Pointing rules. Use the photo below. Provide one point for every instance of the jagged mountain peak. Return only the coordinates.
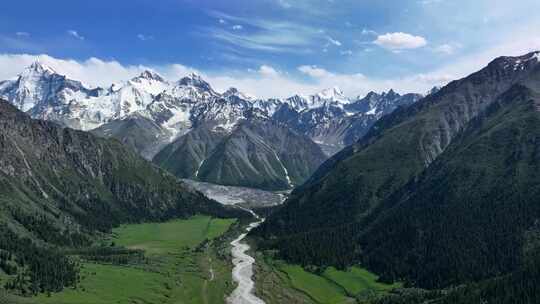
(37, 67)
(433, 90)
(232, 91)
(195, 80)
(331, 93)
(372, 95)
(517, 62)
(149, 75)
(390, 94)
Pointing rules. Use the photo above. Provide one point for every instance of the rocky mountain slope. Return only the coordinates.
(337, 122)
(257, 152)
(62, 188)
(147, 113)
(80, 182)
(438, 194)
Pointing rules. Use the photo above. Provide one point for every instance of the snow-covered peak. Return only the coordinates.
(235, 92)
(231, 91)
(148, 82)
(390, 94)
(332, 96)
(531, 56)
(334, 93)
(149, 75)
(195, 80)
(518, 63)
(38, 68)
(433, 90)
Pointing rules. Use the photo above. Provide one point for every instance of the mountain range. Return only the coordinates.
(153, 115)
(438, 192)
(62, 188)
(437, 195)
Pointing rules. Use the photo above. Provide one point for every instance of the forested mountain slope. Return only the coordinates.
(437, 194)
(59, 187)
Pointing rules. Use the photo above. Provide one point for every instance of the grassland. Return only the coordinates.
(178, 269)
(279, 282)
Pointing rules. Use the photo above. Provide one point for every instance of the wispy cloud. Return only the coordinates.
(20, 43)
(333, 41)
(447, 48)
(366, 31)
(429, 2)
(144, 37)
(75, 34)
(266, 35)
(22, 34)
(284, 3)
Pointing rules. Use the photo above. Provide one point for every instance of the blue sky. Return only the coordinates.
(269, 47)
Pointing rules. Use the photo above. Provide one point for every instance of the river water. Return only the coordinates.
(242, 272)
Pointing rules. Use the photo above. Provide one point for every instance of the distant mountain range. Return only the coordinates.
(442, 194)
(151, 114)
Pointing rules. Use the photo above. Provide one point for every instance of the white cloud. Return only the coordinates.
(369, 32)
(313, 71)
(400, 41)
(446, 49)
(266, 81)
(75, 34)
(429, 2)
(143, 37)
(346, 53)
(93, 71)
(333, 41)
(22, 34)
(237, 27)
(222, 21)
(284, 4)
(268, 71)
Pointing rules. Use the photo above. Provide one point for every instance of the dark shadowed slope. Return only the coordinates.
(438, 193)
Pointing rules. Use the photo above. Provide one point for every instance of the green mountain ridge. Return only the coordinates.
(437, 194)
(62, 187)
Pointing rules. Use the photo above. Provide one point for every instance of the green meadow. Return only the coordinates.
(279, 282)
(177, 269)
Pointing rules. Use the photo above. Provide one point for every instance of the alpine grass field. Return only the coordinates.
(177, 267)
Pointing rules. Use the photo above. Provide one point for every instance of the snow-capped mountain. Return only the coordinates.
(332, 96)
(151, 114)
(338, 121)
(45, 94)
(381, 104)
(147, 112)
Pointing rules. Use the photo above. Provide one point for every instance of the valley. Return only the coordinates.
(202, 260)
(183, 263)
(270, 152)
